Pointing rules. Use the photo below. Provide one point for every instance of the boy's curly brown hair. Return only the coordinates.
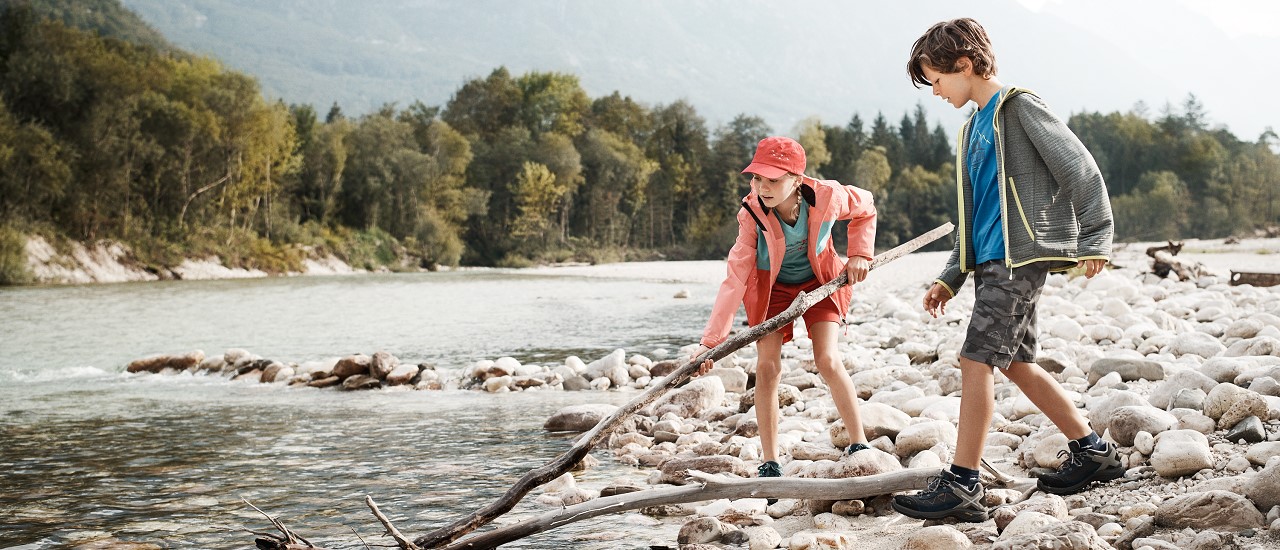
(945, 43)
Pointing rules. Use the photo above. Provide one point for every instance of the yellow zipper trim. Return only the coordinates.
(1017, 201)
(1004, 201)
(1060, 259)
(960, 152)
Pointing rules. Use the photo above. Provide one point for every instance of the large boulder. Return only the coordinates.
(1264, 489)
(1129, 368)
(925, 435)
(1181, 452)
(1100, 411)
(352, 365)
(676, 470)
(699, 395)
(1126, 422)
(382, 364)
(578, 418)
(1066, 535)
(157, 363)
(1163, 394)
(1196, 343)
(937, 537)
(1221, 510)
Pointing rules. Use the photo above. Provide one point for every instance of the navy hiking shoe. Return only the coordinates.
(944, 497)
(769, 469)
(855, 448)
(1082, 467)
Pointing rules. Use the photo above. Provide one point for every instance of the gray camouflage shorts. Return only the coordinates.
(1003, 326)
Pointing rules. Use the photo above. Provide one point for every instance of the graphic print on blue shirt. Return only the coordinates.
(795, 263)
(984, 174)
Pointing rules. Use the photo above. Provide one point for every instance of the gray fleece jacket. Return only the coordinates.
(1053, 202)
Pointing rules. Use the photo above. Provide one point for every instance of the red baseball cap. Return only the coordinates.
(776, 156)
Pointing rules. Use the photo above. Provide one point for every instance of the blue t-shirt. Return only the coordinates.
(795, 263)
(984, 173)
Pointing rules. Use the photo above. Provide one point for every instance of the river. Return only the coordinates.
(93, 457)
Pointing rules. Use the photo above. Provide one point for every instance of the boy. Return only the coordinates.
(1033, 202)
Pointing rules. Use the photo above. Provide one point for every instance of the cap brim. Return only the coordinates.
(764, 170)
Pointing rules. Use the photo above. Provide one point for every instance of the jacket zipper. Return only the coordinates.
(1004, 201)
(961, 143)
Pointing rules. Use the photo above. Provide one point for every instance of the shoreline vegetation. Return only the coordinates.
(112, 135)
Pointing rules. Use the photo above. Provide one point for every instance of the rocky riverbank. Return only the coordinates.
(1183, 375)
(112, 262)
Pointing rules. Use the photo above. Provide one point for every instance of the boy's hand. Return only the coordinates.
(1091, 267)
(935, 301)
(706, 365)
(857, 268)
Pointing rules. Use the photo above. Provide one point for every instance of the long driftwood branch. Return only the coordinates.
(1164, 259)
(563, 463)
(711, 487)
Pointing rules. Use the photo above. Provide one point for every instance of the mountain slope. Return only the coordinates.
(106, 17)
(726, 57)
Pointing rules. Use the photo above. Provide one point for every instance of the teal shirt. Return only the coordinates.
(795, 263)
(984, 173)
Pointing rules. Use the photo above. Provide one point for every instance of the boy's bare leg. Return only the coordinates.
(826, 354)
(768, 372)
(1049, 397)
(977, 405)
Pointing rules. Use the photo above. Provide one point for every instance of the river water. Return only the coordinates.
(93, 457)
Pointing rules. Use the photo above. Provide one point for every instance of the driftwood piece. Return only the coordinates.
(1164, 259)
(401, 540)
(286, 540)
(563, 463)
(1255, 279)
(712, 487)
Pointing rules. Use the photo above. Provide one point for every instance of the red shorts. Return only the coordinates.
(780, 298)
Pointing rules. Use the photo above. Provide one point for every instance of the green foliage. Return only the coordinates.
(106, 17)
(13, 257)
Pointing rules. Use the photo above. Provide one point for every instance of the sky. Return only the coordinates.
(1220, 50)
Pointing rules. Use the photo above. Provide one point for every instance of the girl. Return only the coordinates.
(783, 248)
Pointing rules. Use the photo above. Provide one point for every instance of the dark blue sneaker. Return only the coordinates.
(944, 497)
(855, 448)
(1082, 467)
(769, 469)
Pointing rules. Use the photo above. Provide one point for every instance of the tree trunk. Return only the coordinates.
(575, 454)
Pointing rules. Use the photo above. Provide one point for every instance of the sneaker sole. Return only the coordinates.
(1101, 475)
(968, 516)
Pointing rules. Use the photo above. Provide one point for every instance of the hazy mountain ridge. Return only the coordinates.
(830, 60)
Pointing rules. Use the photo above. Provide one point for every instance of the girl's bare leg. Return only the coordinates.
(768, 372)
(826, 354)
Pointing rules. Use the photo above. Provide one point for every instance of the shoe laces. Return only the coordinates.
(935, 486)
(1074, 460)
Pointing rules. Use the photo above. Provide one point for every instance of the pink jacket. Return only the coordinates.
(749, 283)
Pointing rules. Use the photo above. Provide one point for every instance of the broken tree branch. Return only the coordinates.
(287, 540)
(1164, 259)
(405, 543)
(563, 463)
(712, 487)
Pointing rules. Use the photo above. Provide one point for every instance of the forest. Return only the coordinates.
(109, 132)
